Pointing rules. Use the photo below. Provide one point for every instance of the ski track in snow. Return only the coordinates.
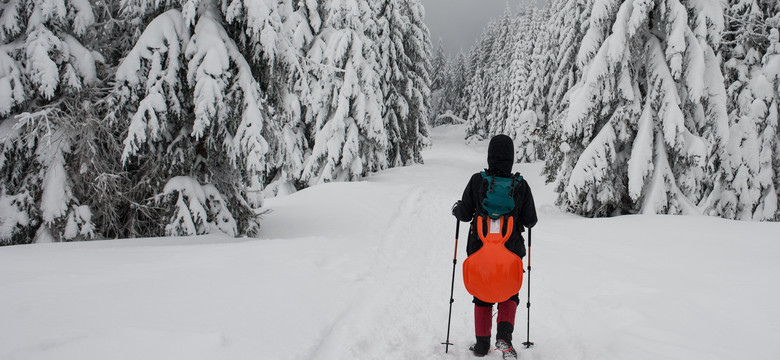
(376, 304)
(362, 271)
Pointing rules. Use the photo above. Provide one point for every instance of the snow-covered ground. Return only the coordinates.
(362, 271)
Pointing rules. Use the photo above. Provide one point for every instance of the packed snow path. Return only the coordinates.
(362, 271)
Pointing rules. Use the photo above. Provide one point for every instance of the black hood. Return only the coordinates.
(501, 155)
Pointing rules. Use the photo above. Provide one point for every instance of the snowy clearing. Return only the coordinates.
(362, 271)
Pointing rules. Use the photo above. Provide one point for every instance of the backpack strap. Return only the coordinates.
(516, 178)
(491, 179)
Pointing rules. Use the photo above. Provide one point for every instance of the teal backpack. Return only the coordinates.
(499, 199)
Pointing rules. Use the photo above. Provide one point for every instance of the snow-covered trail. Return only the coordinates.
(362, 271)
(406, 241)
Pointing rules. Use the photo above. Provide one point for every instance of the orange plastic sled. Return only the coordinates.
(493, 273)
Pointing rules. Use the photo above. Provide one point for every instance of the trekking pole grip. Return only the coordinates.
(457, 232)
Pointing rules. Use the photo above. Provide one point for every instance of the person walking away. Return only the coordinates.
(500, 159)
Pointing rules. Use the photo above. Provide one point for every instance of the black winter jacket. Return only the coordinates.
(471, 206)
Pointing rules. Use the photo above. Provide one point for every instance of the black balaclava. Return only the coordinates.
(501, 155)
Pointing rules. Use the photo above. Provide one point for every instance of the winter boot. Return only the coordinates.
(482, 346)
(507, 350)
(504, 332)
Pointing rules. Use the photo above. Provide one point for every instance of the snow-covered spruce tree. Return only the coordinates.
(751, 188)
(566, 27)
(456, 91)
(647, 115)
(772, 68)
(439, 82)
(539, 63)
(197, 125)
(402, 44)
(47, 69)
(536, 88)
(499, 65)
(416, 85)
(525, 88)
(450, 96)
(276, 35)
(516, 73)
(438, 67)
(349, 138)
(478, 96)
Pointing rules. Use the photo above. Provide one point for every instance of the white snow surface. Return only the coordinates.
(362, 270)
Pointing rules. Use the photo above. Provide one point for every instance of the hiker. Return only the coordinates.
(500, 159)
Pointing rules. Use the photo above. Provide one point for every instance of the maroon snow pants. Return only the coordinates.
(483, 318)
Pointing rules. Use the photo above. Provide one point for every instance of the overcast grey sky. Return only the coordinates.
(460, 22)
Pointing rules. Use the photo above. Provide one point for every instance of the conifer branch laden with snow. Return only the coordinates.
(46, 66)
(656, 163)
(225, 142)
(751, 75)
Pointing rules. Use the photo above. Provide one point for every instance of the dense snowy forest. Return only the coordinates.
(636, 106)
(178, 117)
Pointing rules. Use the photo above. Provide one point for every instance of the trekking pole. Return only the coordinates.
(528, 342)
(452, 288)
